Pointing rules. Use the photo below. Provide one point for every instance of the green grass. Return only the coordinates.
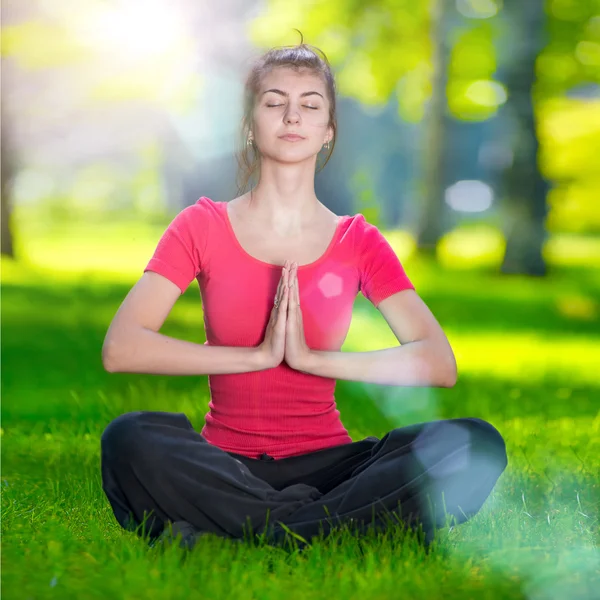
(528, 352)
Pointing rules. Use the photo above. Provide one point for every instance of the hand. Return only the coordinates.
(297, 353)
(271, 349)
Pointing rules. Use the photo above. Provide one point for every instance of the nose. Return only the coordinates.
(292, 115)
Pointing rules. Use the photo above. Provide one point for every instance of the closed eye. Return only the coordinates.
(275, 105)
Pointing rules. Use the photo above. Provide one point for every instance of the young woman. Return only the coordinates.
(278, 274)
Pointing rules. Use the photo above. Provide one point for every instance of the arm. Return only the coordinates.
(133, 344)
(147, 351)
(425, 357)
(417, 364)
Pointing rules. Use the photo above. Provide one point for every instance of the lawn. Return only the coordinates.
(528, 353)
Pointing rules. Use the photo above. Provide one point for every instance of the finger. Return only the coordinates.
(283, 300)
(294, 288)
(276, 306)
(285, 273)
(283, 307)
(291, 292)
(289, 309)
(282, 282)
(297, 288)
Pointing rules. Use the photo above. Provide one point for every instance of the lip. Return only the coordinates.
(291, 137)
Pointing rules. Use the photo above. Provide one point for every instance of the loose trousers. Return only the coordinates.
(156, 468)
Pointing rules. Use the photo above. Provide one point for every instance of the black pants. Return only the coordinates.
(156, 468)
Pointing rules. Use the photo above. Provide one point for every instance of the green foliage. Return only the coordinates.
(366, 202)
(572, 52)
(473, 95)
(364, 38)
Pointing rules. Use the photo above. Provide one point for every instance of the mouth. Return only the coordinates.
(291, 137)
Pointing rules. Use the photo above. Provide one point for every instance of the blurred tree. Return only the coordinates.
(525, 187)
(6, 175)
(568, 108)
(7, 151)
(429, 224)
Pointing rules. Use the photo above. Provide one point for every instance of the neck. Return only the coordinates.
(284, 198)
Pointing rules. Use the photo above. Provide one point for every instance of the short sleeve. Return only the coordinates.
(180, 250)
(381, 272)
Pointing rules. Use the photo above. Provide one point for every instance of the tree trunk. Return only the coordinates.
(430, 217)
(526, 189)
(6, 176)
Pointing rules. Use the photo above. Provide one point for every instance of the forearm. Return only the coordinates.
(146, 351)
(415, 364)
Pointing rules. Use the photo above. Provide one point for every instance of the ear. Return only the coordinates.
(329, 137)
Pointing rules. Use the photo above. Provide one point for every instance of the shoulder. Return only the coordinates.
(358, 226)
(197, 211)
(358, 221)
(203, 203)
(369, 241)
(193, 222)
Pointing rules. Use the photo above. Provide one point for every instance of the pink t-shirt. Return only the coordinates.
(278, 411)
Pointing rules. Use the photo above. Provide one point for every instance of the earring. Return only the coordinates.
(249, 141)
(327, 145)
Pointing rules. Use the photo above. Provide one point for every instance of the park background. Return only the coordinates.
(469, 133)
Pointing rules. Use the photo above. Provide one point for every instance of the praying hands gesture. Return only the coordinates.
(284, 338)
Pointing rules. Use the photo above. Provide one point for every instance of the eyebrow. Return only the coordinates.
(276, 91)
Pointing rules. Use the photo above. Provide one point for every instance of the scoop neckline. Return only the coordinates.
(316, 262)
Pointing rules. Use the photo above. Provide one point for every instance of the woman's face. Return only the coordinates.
(291, 102)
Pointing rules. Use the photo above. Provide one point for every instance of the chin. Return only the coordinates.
(291, 156)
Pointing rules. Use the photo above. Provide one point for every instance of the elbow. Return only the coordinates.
(451, 373)
(450, 381)
(109, 360)
(109, 367)
(119, 350)
(441, 366)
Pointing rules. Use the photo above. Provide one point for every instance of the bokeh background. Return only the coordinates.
(469, 133)
(475, 117)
